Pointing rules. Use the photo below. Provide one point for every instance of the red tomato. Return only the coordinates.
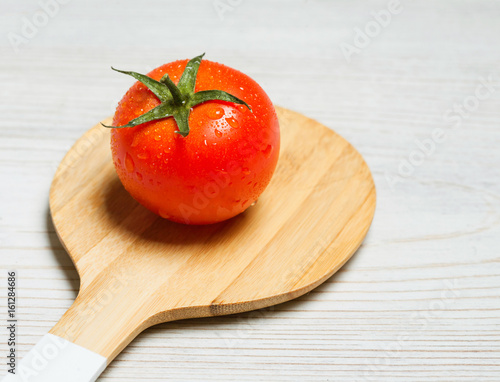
(215, 172)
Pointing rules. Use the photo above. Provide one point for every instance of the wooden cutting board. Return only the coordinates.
(138, 269)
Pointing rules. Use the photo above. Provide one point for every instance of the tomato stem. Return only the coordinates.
(174, 90)
(177, 100)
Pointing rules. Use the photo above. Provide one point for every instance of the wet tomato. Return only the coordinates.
(195, 141)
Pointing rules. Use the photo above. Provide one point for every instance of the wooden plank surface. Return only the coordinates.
(420, 299)
(149, 270)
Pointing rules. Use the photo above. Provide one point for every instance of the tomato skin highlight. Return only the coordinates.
(214, 173)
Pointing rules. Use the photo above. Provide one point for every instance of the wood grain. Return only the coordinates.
(382, 316)
(138, 269)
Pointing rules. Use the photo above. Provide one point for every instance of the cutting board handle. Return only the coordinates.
(55, 359)
(93, 331)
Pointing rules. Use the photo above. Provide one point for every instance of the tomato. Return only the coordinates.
(211, 160)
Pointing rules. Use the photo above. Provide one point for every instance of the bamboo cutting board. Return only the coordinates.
(138, 269)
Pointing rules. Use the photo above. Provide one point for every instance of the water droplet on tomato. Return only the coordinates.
(135, 141)
(232, 122)
(216, 113)
(163, 214)
(142, 156)
(246, 171)
(267, 151)
(158, 138)
(254, 203)
(218, 133)
(139, 175)
(129, 163)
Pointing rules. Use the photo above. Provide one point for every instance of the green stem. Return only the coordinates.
(177, 101)
(174, 90)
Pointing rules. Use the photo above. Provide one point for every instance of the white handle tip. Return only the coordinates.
(54, 359)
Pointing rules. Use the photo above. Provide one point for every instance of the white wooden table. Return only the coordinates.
(418, 302)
